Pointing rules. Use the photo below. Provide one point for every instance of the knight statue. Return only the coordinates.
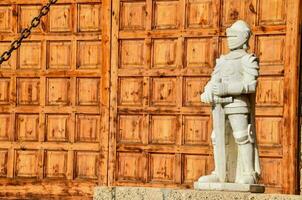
(231, 91)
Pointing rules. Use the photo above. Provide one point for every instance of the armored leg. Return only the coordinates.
(242, 135)
(213, 177)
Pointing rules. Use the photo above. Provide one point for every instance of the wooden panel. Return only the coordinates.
(5, 126)
(131, 53)
(4, 90)
(86, 165)
(272, 12)
(88, 127)
(6, 19)
(56, 164)
(164, 53)
(270, 91)
(165, 15)
(3, 163)
(271, 166)
(89, 17)
(193, 87)
(194, 167)
(57, 127)
(57, 91)
(59, 55)
(12, 61)
(131, 91)
(26, 60)
(163, 129)
(27, 13)
(133, 15)
(60, 19)
(269, 131)
(26, 163)
(27, 127)
(196, 130)
(199, 52)
(130, 129)
(163, 91)
(28, 91)
(130, 166)
(89, 55)
(88, 91)
(201, 14)
(162, 167)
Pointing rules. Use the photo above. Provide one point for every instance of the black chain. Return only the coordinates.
(25, 33)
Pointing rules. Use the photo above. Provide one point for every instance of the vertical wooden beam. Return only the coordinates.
(105, 91)
(291, 83)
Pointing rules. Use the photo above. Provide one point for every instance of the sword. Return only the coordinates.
(219, 129)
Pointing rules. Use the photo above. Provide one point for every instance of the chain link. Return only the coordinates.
(25, 33)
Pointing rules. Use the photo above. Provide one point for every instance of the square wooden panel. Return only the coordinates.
(272, 12)
(11, 63)
(164, 53)
(57, 91)
(133, 15)
(57, 127)
(271, 166)
(130, 128)
(163, 129)
(28, 91)
(3, 162)
(30, 55)
(27, 13)
(55, 164)
(193, 88)
(196, 130)
(270, 91)
(4, 90)
(26, 163)
(200, 14)
(130, 91)
(88, 91)
(60, 18)
(87, 165)
(269, 131)
(87, 128)
(5, 19)
(233, 10)
(59, 54)
(5, 126)
(199, 52)
(89, 54)
(271, 51)
(194, 167)
(163, 91)
(165, 15)
(27, 127)
(129, 166)
(131, 53)
(89, 17)
(162, 167)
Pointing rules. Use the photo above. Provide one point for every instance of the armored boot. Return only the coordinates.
(213, 177)
(248, 175)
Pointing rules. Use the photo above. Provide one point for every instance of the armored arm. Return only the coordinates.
(250, 73)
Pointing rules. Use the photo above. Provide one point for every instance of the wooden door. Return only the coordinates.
(54, 99)
(163, 52)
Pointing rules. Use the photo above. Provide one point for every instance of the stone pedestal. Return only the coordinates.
(233, 187)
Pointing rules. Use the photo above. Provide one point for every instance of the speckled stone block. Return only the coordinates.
(141, 193)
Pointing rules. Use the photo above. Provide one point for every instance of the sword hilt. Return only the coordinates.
(221, 100)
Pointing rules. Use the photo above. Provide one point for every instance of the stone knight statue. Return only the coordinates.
(230, 91)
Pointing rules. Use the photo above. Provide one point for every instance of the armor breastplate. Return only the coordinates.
(231, 71)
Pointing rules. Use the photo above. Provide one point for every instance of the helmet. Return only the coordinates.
(238, 34)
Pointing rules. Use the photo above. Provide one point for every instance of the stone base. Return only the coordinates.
(142, 193)
(235, 187)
